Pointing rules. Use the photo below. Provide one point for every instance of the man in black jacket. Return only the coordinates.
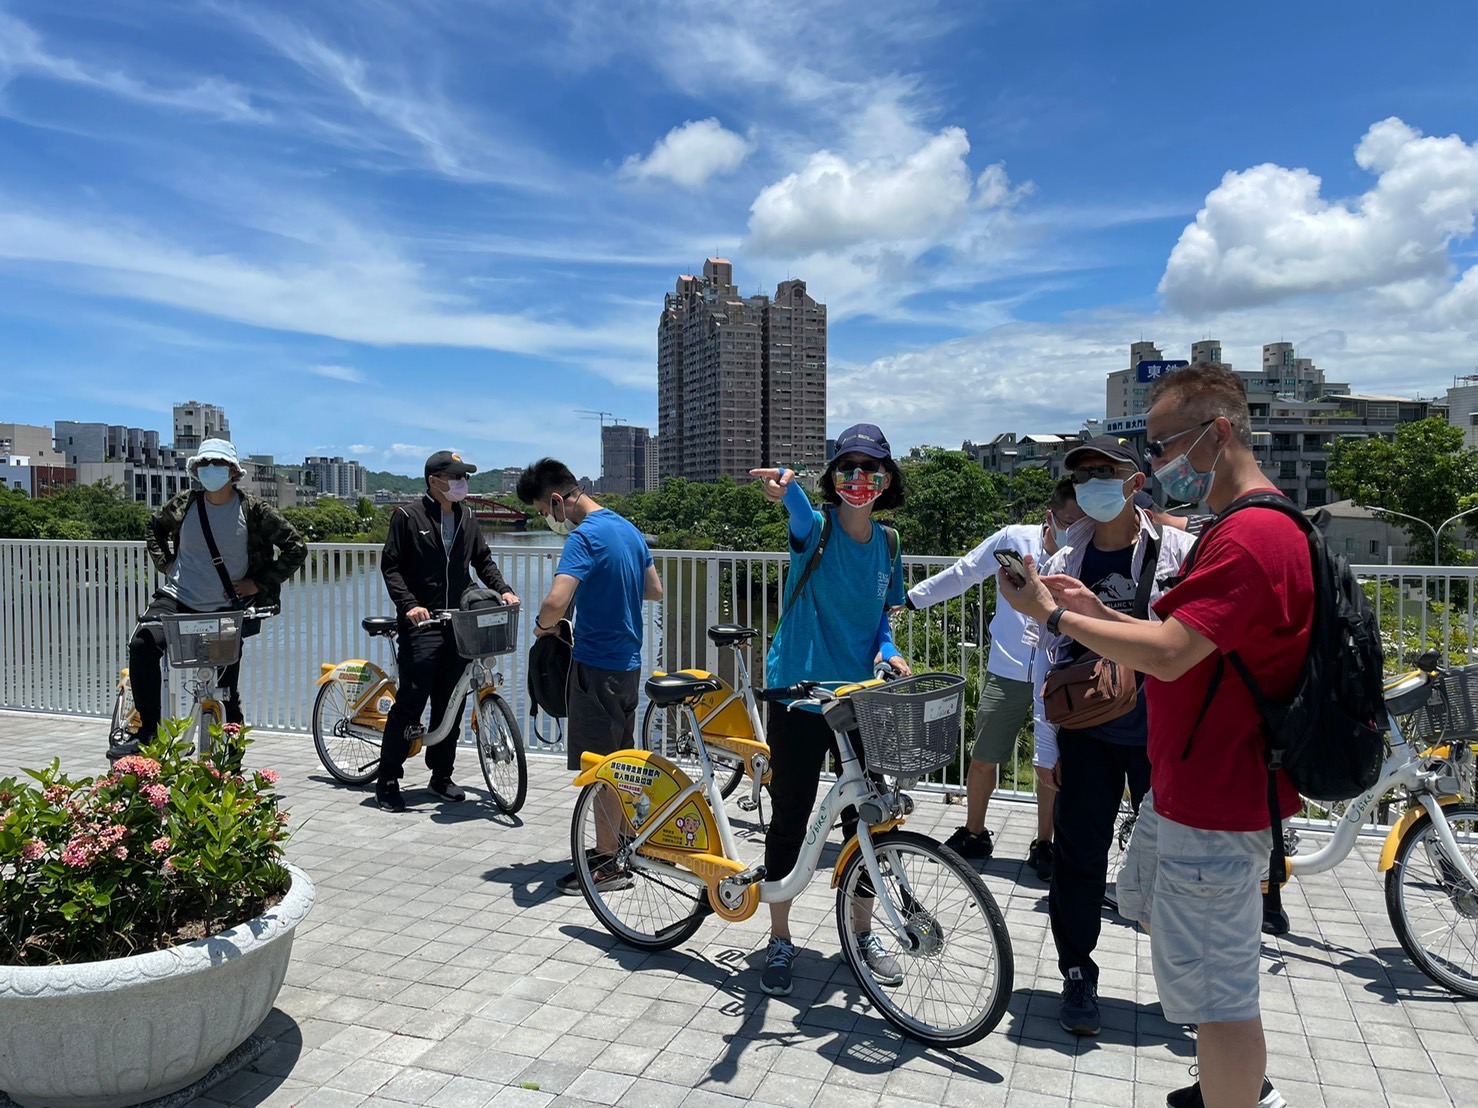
(426, 564)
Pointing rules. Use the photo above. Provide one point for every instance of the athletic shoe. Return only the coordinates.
(123, 749)
(967, 844)
(1190, 1097)
(883, 966)
(779, 958)
(1079, 1011)
(608, 878)
(387, 796)
(1039, 857)
(448, 789)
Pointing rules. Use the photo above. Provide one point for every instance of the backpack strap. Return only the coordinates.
(811, 564)
(232, 596)
(1147, 567)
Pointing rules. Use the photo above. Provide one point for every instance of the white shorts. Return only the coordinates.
(1200, 895)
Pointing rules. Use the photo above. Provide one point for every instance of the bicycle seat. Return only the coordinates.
(1408, 692)
(674, 688)
(728, 634)
(379, 625)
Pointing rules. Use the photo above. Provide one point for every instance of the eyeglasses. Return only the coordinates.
(867, 465)
(1156, 449)
(1084, 474)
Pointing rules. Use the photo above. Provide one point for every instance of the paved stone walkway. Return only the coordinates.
(441, 967)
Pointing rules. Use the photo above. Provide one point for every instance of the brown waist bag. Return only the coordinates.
(1089, 692)
(1094, 690)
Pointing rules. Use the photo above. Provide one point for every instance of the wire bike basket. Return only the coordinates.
(483, 632)
(1452, 712)
(196, 640)
(911, 726)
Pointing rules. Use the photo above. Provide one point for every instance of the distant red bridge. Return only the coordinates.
(494, 511)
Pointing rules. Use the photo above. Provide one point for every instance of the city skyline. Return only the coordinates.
(341, 224)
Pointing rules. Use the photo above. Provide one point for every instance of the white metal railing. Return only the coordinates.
(67, 610)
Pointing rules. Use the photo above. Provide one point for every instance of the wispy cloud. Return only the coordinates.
(338, 373)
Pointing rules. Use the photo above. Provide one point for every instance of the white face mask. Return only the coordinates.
(213, 478)
(1102, 498)
(456, 490)
(559, 526)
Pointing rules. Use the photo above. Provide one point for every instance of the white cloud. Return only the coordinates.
(1266, 233)
(23, 54)
(691, 154)
(338, 373)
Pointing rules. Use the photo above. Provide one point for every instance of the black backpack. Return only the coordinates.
(1330, 737)
(549, 677)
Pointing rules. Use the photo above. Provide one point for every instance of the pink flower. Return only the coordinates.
(146, 768)
(120, 852)
(155, 794)
(271, 776)
(113, 835)
(232, 729)
(33, 850)
(80, 851)
(161, 844)
(168, 865)
(56, 794)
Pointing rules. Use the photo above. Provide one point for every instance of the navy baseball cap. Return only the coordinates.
(862, 438)
(444, 463)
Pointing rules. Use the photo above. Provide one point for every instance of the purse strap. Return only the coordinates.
(1147, 568)
(215, 553)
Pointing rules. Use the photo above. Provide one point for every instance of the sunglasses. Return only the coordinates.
(866, 465)
(1156, 449)
(1084, 474)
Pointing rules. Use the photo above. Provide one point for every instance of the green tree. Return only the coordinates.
(325, 521)
(20, 516)
(952, 504)
(1426, 473)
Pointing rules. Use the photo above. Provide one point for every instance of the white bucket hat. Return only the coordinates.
(214, 450)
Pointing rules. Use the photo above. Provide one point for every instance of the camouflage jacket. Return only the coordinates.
(274, 548)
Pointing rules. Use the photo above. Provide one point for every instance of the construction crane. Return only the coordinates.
(615, 419)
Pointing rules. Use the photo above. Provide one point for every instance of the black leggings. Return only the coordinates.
(799, 742)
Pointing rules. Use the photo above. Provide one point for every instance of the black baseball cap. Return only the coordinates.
(862, 438)
(1110, 446)
(446, 464)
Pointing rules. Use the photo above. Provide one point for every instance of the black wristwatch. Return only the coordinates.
(1054, 619)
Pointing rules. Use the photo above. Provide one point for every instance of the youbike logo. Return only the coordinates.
(818, 825)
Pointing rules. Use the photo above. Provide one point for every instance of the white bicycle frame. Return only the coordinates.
(474, 676)
(852, 787)
(1402, 769)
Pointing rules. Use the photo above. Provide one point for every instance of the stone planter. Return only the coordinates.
(105, 1034)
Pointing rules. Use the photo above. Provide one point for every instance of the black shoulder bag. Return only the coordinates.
(251, 626)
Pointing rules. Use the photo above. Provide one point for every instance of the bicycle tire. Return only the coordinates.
(1447, 928)
(351, 758)
(507, 781)
(957, 952)
(1124, 821)
(652, 911)
(667, 731)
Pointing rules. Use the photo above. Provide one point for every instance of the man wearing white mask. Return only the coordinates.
(433, 545)
(1119, 553)
(259, 550)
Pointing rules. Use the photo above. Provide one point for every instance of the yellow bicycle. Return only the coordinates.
(655, 853)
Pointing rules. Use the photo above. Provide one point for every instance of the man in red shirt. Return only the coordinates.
(1193, 870)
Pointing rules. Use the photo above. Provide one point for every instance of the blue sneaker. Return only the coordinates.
(779, 958)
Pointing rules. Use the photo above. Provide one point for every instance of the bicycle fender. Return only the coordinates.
(1398, 832)
(646, 783)
(350, 671)
(851, 847)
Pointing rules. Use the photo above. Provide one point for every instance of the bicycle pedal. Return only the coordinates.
(748, 804)
(750, 876)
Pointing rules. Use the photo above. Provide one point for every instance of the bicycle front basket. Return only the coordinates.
(199, 639)
(482, 632)
(911, 727)
(1452, 712)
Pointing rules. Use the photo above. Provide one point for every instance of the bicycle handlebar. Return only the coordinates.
(816, 690)
(266, 612)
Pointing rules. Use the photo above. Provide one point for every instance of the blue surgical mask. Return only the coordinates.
(1059, 535)
(213, 478)
(1183, 481)
(1102, 498)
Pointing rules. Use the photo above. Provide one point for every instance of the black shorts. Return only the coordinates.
(602, 711)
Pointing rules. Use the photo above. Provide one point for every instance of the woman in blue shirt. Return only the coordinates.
(837, 629)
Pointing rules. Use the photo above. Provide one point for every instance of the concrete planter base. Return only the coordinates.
(109, 1034)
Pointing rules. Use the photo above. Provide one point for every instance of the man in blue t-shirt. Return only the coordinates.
(607, 567)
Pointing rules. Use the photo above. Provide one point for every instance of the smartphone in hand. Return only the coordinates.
(1014, 566)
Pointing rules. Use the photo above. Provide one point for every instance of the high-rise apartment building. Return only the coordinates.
(129, 456)
(195, 422)
(623, 459)
(335, 477)
(741, 380)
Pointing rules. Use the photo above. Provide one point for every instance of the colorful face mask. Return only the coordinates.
(213, 478)
(1185, 482)
(456, 490)
(858, 487)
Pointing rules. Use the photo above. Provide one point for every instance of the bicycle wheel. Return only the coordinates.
(1433, 910)
(649, 910)
(500, 753)
(349, 751)
(668, 732)
(125, 719)
(956, 956)
(1123, 829)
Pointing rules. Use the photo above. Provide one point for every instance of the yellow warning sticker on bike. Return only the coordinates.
(687, 829)
(646, 787)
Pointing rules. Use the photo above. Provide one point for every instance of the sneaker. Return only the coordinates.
(1274, 919)
(1190, 1097)
(124, 749)
(1079, 1011)
(448, 789)
(1039, 857)
(967, 844)
(779, 957)
(387, 796)
(608, 878)
(883, 966)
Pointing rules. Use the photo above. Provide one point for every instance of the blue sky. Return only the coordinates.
(380, 227)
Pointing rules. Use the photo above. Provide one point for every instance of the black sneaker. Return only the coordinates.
(387, 796)
(448, 789)
(124, 749)
(1190, 1097)
(1039, 857)
(967, 844)
(779, 958)
(1079, 1011)
(608, 878)
(1274, 919)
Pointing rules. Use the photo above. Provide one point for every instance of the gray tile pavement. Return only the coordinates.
(440, 967)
